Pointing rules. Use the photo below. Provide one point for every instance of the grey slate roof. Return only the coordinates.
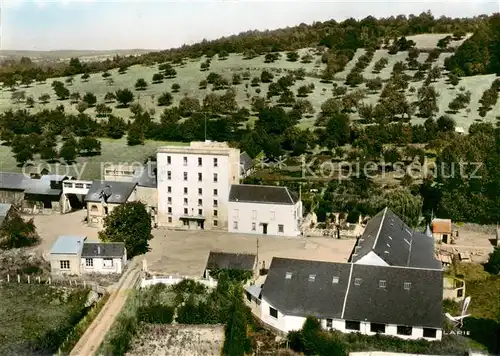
(13, 181)
(110, 249)
(396, 243)
(21, 182)
(267, 194)
(300, 297)
(225, 260)
(68, 245)
(393, 304)
(147, 177)
(117, 192)
(4, 210)
(421, 305)
(246, 161)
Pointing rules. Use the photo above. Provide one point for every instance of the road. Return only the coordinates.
(95, 333)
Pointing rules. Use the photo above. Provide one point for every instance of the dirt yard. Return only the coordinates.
(178, 340)
(475, 240)
(186, 252)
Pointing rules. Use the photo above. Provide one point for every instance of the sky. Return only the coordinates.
(161, 24)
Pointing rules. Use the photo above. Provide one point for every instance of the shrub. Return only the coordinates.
(157, 314)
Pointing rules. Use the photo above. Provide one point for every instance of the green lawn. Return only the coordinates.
(31, 311)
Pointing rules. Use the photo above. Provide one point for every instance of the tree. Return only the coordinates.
(129, 223)
(188, 106)
(165, 99)
(26, 81)
(135, 135)
(141, 84)
(306, 58)
(24, 155)
(176, 87)
(493, 264)
(115, 127)
(292, 56)
(237, 341)
(337, 131)
(15, 232)
(18, 96)
(44, 98)
(30, 102)
(69, 80)
(203, 84)
(124, 97)
(266, 76)
(85, 77)
(446, 124)
(74, 97)
(90, 99)
(89, 146)
(236, 79)
(102, 110)
(302, 91)
(157, 78)
(61, 92)
(374, 84)
(106, 75)
(427, 101)
(68, 150)
(109, 97)
(223, 55)
(255, 82)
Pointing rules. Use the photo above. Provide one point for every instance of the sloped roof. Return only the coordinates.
(13, 181)
(391, 304)
(224, 260)
(4, 210)
(264, 194)
(68, 245)
(41, 186)
(147, 177)
(97, 249)
(298, 295)
(441, 226)
(118, 192)
(396, 243)
(246, 161)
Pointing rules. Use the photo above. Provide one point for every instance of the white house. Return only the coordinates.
(262, 209)
(193, 184)
(393, 285)
(103, 257)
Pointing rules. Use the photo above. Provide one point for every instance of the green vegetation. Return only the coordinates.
(15, 232)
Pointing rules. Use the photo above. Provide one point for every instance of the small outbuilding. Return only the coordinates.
(103, 257)
(224, 260)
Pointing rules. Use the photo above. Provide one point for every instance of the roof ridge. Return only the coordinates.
(288, 192)
(347, 291)
(409, 252)
(379, 228)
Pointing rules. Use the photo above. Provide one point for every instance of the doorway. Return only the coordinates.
(264, 228)
(201, 225)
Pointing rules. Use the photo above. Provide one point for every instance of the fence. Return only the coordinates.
(171, 280)
(29, 279)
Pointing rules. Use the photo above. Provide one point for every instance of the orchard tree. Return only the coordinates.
(266, 76)
(188, 106)
(44, 98)
(90, 99)
(106, 75)
(157, 78)
(102, 110)
(129, 223)
(292, 56)
(75, 97)
(141, 84)
(30, 101)
(89, 146)
(61, 92)
(124, 97)
(109, 97)
(176, 87)
(85, 77)
(165, 99)
(115, 127)
(68, 150)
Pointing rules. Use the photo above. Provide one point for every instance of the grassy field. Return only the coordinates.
(113, 151)
(30, 311)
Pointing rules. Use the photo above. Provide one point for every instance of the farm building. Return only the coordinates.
(224, 260)
(441, 230)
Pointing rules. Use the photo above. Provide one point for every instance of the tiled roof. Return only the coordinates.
(267, 194)
(441, 226)
(110, 249)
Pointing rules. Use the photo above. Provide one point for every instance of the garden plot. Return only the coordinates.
(178, 340)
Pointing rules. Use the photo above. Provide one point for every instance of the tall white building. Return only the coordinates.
(194, 183)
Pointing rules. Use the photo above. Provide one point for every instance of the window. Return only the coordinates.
(200, 177)
(404, 330)
(281, 228)
(430, 333)
(216, 163)
(254, 214)
(169, 219)
(169, 160)
(200, 202)
(169, 189)
(215, 222)
(407, 285)
(200, 191)
(200, 211)
(185, 211)
(382, 283)
(335, 280)
(273, 312)
(169, 175)
(107, 262)
(249, 296)
(215, 192)
(185, 175)
(170, 210)
(215, 202)
(460, 293)
(185, 222)
(215, 178)
(200, 161)
(169, 200)
(273, 215)
(185, 201)
(236, 213)
(215, 212)
(64, 264)
(185, 160)
(235, 225)
(288, 275)
(89, 262)
(377, 328)
(185, 190)
(254, 226)
(357, 281)
(329, 323)
(79, 185)
(352, 325)
(94, 208)
(312, 277)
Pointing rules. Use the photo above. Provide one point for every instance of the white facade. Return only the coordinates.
(193, 184)
(287, 323)
(262, 218)
(102, 265)
(372, 259)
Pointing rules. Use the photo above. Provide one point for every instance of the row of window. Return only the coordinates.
(200, 176)
(89, 262)
(281, 228)
(382, 283)
(200, 203)
(200, 191)
(236, 214)
(214, 222)
(186, 211)
(200, 161)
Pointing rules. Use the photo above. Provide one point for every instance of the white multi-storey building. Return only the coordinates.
(194, 183)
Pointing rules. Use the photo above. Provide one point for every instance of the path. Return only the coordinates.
(95, 333)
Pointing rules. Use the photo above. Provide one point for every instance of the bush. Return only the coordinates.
(156, 314)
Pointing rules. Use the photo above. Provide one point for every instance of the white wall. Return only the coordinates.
(98, 266)
(226, 175)
(247, 214)
(172, 280)
(372, 259)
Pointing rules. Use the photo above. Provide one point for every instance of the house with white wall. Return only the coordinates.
(103, 258)
(194, 182)
(393, 285)
(264, 209)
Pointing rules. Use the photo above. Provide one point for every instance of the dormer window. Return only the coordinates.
(288, 275)
(357, 281)
(407, 285)
(382, 283)
(335, 280)
(312, 277)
